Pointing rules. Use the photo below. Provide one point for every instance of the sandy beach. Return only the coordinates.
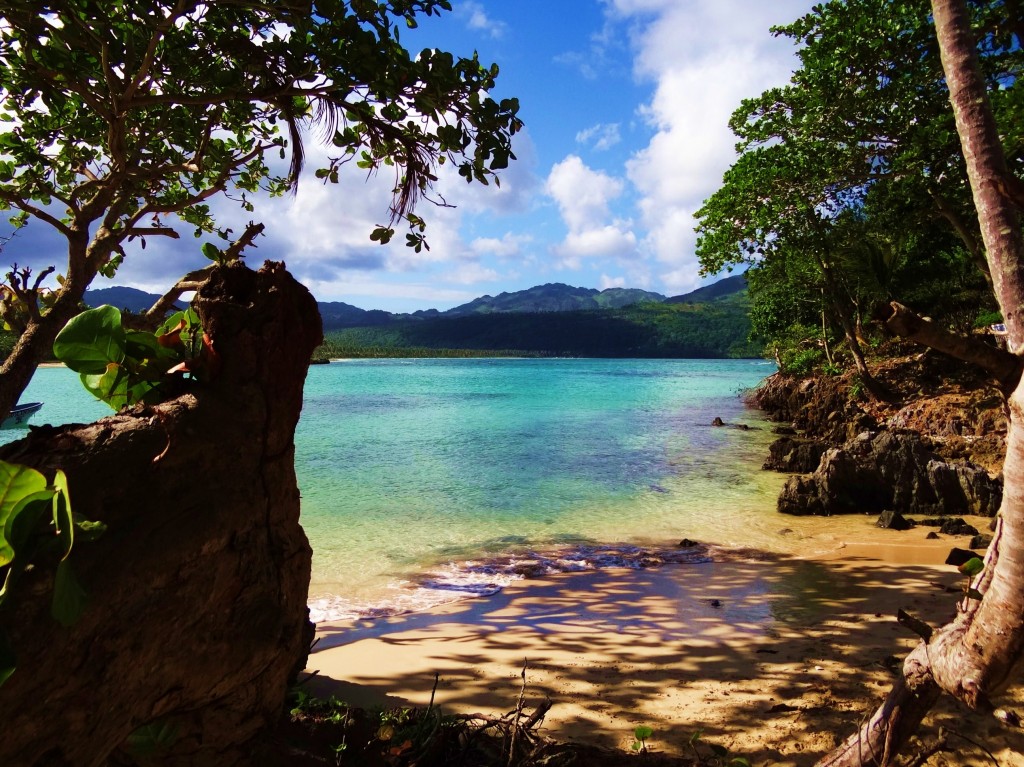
(776, 658)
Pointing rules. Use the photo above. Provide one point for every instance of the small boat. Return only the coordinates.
(20, 414)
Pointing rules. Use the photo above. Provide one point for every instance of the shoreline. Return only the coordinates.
(774, 657)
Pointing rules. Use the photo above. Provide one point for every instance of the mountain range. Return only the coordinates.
(552, 319)
(552, 297)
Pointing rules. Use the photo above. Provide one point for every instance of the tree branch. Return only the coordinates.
(906, 323)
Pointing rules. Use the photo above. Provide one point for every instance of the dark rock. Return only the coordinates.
(877, 471)
(787, 431)
(718, 422)
(789, 454)
(958, 556)
(932, 536)
(786, 531)
(198, 618)
(980, 541)
(957, 527)
(686, 543)
(893, 520)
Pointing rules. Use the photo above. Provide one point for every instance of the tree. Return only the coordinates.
(975, 656)
(122, 121)
(855, 170)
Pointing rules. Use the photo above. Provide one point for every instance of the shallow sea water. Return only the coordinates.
(427, 481)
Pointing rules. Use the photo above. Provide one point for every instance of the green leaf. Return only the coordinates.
(739, 761)
(152, 739)
(63, 519)
(642, 732)
(972, 567)
(111, 386)
(8, 661)
(212, 252)
(69, 598)
(718, 750)
(92, 341)
(16, 484)
(24, 520)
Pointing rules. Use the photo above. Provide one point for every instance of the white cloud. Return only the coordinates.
(476, 18)
(584, 198)
(471, 274)
(603, 136)
(704, 57)
(509, 246)
(612, 282)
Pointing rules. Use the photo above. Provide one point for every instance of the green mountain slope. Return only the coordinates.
(706, 330)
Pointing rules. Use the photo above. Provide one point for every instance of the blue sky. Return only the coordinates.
(626, 105)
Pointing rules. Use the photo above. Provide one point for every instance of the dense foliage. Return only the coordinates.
(850, 189)
(699, 330)
(120, 122)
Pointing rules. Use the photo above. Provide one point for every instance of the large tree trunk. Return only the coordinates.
(975, 656)
(197, 613)
(35, 343)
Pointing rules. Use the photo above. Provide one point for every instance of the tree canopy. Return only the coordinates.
(851, 186)
(122, 121)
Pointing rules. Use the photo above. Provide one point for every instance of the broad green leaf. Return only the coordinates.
(140, 346)
(92, 341)
(972, 567)
(111, 386)
(69, 597)
(739, 761)
(23, 520)
(642, 732)
(211, 251)
(16, 483)
(8, 661)
(152, 739)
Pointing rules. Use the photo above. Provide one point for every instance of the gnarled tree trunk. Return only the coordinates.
(197, 613)
(975, 656)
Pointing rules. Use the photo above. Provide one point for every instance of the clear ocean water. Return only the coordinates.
(425, 481)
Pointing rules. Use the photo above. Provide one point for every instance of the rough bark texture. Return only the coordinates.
(975, 656)
(197, 590)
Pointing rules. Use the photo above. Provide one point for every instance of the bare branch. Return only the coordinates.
(906, 323)
(39, 213)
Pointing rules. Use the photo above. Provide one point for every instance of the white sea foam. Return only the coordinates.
(456, 581)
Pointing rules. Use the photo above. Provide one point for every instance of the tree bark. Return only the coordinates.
(973, 657)
(197, 615)
(1003, 366)
(35, 342)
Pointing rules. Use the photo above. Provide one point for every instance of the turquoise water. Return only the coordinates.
(426, 480)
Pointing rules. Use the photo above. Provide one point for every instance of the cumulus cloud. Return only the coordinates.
(612, 282)
(704, 57)
(508, 246)
(476, 18)
(601, 136)
(584, 198)
(472, 273)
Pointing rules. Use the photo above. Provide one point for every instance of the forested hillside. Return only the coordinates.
(707, 329)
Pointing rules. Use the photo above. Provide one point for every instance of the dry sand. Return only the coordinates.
(775, 658)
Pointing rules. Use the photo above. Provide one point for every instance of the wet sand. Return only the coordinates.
(776, 658)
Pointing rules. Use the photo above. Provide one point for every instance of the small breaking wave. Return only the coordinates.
(456, 581)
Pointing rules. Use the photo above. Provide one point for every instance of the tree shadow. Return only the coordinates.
(777, 660)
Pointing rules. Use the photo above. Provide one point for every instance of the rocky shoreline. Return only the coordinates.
(933, 449)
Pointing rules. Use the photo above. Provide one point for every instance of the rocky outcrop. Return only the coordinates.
(196, 616)
(794, 455)
(886, 470)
